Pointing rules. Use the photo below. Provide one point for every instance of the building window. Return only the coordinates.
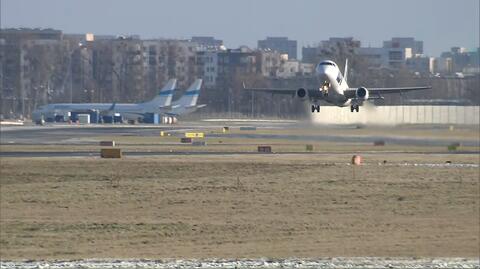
(395, 55)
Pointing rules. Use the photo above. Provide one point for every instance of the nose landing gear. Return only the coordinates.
(354, 107)
(315, 108)
(324, 88)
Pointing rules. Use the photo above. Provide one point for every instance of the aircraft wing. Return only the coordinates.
(350, 92)
(312, 93)
(164, 108)
(195, 107)
(272, 90)
(171, 114)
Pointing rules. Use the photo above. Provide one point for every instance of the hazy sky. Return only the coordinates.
(441, 24)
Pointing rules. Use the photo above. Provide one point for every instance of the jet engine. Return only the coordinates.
(302, 94)
(166, 120)
(362, 93)
(169, 120)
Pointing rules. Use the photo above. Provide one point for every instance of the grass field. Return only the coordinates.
(238, 206)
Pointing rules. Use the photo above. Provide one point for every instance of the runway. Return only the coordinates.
(64, 134)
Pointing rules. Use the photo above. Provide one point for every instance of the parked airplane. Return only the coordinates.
(185, 105)
(158, 104)
(335, 89)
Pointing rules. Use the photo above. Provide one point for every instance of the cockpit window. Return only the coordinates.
(327, 63)
(339, 78)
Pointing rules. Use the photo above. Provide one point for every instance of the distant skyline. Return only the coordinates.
(440, 24)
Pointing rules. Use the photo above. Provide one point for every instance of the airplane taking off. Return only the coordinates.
(161, 102)
(335, 90)
(186, 104)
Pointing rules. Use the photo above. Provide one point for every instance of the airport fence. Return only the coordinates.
(466, 115)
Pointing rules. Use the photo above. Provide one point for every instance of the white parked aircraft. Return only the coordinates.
(335, 89)
(158, 104)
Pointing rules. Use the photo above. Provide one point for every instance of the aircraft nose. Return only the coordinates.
(326, 72)
(319, 69)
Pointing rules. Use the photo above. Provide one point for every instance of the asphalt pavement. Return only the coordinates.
(61, 134)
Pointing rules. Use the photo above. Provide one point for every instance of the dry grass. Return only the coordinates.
(418, 131)
(237, 206)
(226, 144)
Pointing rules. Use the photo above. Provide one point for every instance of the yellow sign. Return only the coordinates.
(195, 135)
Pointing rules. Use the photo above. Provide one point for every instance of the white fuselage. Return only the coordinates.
(128, 111)
(332, 84)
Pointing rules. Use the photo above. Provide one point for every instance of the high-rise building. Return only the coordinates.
(405, 42)
(458, 59)
(328, 49)
(396, 52)
(280, 44)
(385, 57)
(421, 64)
(207, 42)
(32, 62)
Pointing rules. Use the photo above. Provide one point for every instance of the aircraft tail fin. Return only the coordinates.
(345, 73)
(110, 111)
(190, 96)
(164, 97)
(112, 107)
(166, 93)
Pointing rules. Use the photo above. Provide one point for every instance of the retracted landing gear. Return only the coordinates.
(315, 108)
(354, 107)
